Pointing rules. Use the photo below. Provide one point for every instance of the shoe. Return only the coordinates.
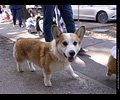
(81, 52)
(14, 25)
(22, 26)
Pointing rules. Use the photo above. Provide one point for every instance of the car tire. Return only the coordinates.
(102, 17)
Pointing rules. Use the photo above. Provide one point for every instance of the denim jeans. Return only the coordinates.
(67, 15)
(14, 13)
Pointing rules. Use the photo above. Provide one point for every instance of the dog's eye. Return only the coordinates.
(65, 43)
(74, 43)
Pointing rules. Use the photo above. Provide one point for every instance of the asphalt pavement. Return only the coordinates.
(90, 67)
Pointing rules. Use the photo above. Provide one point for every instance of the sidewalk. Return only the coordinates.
(90, 67)
(14, 33)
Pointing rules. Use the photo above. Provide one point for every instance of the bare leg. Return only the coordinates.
(30, 65)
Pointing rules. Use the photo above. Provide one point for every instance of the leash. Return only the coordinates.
(58, 16)
(58, 19)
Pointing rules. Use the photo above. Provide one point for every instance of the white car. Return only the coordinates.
(100, 13)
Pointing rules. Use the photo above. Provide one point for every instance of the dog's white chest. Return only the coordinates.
(59, 65)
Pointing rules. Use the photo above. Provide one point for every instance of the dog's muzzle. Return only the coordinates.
(71, 58)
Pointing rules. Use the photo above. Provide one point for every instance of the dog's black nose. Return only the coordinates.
(72, 53)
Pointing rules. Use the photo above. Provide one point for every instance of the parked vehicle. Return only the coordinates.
(100, 13)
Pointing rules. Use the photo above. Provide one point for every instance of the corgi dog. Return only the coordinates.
(50, 56)
(112, 62)
(111, 66)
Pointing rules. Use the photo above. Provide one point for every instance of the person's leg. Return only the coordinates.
(67, 15)
(48, 12)
(19, 16)
(14, 16)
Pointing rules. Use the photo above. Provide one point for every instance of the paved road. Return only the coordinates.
(90, 67)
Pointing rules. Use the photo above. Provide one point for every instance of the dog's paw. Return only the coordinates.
(20, 70)
(75, 76)
(32, 69)
(47, 83)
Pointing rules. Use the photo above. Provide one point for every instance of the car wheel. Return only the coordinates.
(102, 17)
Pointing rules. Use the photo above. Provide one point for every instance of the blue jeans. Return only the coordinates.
(14, 13)
(67, 15)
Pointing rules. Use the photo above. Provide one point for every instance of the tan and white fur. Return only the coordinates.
(112, 62)
(50, 56)
(111, 66)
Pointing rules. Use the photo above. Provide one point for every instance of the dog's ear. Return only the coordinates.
(56, 32)
(80, 32)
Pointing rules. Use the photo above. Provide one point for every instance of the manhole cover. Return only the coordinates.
(100, 30)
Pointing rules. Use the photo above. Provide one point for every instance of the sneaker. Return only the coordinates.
(22, 26)
(14, 25)
(81, 52)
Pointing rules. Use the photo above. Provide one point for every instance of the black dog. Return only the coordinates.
(37, 25)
